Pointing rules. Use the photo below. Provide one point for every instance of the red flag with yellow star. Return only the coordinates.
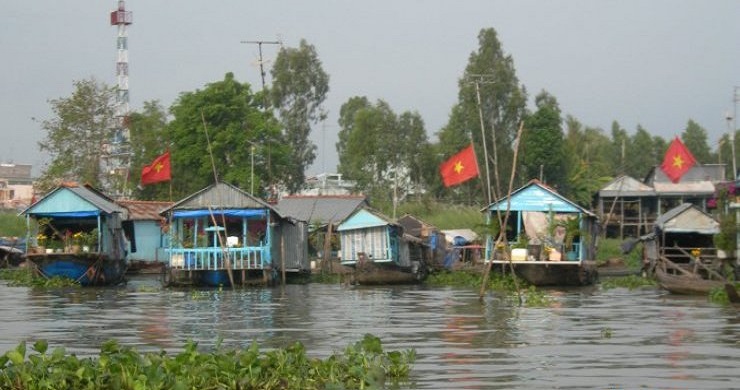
(159, 170)
(678, 160)
(459, 168)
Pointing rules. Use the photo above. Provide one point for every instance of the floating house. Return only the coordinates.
(379, 251)
(630, 207)
(680, 233)
(223, 235)
(552, 239)
(323, 213)
(147, 247)
(80, 236)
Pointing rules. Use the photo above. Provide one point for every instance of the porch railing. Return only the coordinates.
(196, 259)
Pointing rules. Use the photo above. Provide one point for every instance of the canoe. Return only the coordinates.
(686, 284)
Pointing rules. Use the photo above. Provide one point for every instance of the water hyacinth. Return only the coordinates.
(360, 366)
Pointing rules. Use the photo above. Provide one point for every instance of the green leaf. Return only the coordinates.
(40, 346)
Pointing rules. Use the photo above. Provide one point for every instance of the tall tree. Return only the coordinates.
(77, 137)
(587, 161)
(695, 139)
(541, 152)
(149, 139)
(380, 150)
(238, 130)
(298, 91)
(620, 144)
(640, 156)
(490, 76)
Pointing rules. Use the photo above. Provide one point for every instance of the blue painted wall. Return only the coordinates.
(149, 242)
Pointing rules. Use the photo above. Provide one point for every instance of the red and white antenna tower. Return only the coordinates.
(119, 154)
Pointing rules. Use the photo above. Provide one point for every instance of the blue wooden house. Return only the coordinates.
(223, 235)
(550, 240)
(378, 249)
(79, 234)
(147, 246)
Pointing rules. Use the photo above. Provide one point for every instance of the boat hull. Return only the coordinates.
(87, 269)
(685, 284)
(369, 273)
(177, 277)
(541, 273)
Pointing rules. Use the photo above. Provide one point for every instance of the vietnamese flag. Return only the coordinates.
(158, 171)
(460, 167)
(678, 160)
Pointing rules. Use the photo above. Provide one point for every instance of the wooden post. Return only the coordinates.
(282, 257)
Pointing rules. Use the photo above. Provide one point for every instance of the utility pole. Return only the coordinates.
(735, 99)
(264, 103)
(262, 67)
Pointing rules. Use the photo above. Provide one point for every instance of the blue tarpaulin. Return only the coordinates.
(227, 213)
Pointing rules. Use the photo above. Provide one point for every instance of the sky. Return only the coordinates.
(655, 63)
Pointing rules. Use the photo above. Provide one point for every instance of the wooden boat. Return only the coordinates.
(553, 273)
(686, 284)
(369, 273)
(87, 269)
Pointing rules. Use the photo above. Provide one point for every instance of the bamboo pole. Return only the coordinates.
(502, 224)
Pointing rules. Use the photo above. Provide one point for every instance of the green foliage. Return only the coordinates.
(695, 139)
(82, 123)
(443, 216)
(12, 225)
(541, 149)
(379, 149)
(536, 298)
(464, 278)
(27, 277)
(231, 114)
(630, 282)
(719, 295)
(609, 248)
(149, 139)
(363, 364)
(299, 88)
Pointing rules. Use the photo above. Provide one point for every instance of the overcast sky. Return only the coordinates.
(653, 63)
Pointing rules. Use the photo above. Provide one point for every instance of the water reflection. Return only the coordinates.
(588, 338)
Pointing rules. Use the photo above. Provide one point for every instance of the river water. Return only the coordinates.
(588, 338)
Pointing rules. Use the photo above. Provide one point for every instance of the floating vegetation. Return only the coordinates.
(26, 277)
(361, 365)
(465, 278)
(630, 282)
(326, 278)
(719, 295)
(535, 298)
(606, 333)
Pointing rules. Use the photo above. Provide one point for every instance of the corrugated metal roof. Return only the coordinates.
(221, 196)
(140, 210)
(56, 201)
(626, 186)
(320, 209)
(364, 218)
(687, 218)
(684, 188)
(707, 172)
(536, 196)
(413, 225)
